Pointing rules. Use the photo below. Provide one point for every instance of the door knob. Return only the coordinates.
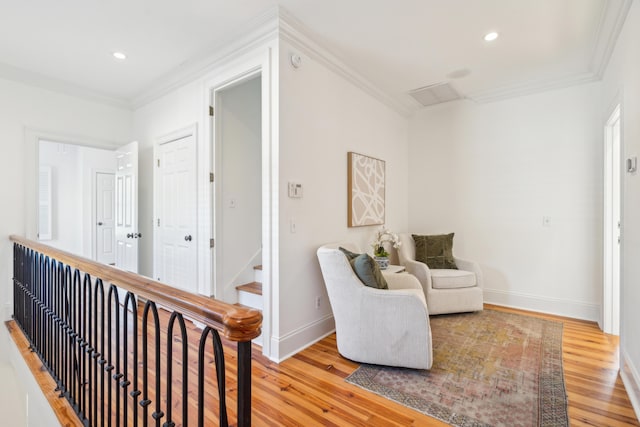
(137, 235)
(187, 238)
(100, 223)
(129, 235)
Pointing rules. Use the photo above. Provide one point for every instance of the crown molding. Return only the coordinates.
(254, 33)
(295, 32)
(30, 78)
(530, 88)
(612, 20)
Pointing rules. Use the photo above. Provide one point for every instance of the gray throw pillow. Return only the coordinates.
(368, 271)
(435, 251)
(350, 255)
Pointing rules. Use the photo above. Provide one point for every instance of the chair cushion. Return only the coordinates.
(368, 271)
(435, 251)
(452, 279)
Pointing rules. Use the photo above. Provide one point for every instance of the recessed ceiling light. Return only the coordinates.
(489, 37)
(119, 56)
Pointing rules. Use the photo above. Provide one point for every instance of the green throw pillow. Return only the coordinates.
(435, 251)
(368, 271)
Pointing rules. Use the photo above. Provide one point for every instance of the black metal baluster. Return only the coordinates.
(112, 297)
(87, 367)
(157, 414)
(66, 359)
(36, 304)
(55, 332)
(76, 307)
(185, 379)
(218, 355)
(145, 402)
(46, 341)
(130, 299)
(99, 355)
(244, 383)
(124, 383)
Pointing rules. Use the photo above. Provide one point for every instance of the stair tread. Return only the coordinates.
(257, 267)
(253, 288)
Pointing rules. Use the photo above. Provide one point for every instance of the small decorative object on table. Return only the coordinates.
(380, 254)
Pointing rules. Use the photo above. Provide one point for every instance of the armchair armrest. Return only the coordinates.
(421, 271)
(472, 266)
(402, 281)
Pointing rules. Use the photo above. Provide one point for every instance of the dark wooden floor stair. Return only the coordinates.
(252, 287)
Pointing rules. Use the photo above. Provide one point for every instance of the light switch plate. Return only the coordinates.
(295, 190)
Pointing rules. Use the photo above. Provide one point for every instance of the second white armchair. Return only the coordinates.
(446, 290)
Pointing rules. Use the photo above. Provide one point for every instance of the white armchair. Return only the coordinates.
(377, 326)
(447, 291)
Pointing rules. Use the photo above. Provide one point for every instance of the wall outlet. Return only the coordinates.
(318, 303)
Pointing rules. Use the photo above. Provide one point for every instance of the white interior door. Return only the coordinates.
(105, 217)
(176, 197)
(126, 228)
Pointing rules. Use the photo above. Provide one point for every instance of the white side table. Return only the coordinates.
(392, 269)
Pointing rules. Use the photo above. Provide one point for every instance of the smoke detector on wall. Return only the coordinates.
(435, 94)
(296, 60)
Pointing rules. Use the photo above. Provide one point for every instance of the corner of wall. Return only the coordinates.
(301, 338)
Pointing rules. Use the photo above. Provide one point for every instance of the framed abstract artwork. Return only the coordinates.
(366, 190)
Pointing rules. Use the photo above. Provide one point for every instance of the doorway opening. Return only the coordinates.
(612, 224)
(237, 208)
(86, 196)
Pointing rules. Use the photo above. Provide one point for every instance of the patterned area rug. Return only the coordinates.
(490, 369)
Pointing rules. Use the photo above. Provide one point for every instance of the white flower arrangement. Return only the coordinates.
(383, 236)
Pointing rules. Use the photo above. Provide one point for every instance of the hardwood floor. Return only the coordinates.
(309, 388)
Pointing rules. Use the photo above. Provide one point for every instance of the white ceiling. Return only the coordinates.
(397, 45)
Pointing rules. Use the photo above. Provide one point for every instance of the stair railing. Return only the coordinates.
(101, 334)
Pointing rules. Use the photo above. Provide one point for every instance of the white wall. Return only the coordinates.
(239, 173)
(66, 192)
(621, 83)
(491, 172)
(322, 117)
(174, 111)
(73, 177)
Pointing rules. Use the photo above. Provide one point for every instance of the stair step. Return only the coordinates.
(257, 267)
(252, 288)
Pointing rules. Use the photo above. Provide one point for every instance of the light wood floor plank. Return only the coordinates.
(309, 389)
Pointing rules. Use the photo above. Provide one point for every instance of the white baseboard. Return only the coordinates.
(286, 346)
(557, 306)
(631, 381)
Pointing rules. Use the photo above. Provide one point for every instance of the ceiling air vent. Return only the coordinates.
(435, 94)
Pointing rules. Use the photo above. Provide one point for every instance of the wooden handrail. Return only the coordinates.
(234, 322)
